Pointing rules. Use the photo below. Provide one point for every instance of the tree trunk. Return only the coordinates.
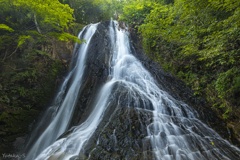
(36, 23)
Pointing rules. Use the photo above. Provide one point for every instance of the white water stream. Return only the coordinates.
(175, 132)
(63, 109)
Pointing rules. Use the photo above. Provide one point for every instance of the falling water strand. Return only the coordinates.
(62, 112)
(174, 133)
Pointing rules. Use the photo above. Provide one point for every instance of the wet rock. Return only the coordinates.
(234, 132)
(163, 134)
(235, 127)
(19, 143)
(120, 139)
(182, 92)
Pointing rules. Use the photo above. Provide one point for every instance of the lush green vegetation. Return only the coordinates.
(196, 40)
(93, 11)
(27, 73)
(23, 21)
(30, 30)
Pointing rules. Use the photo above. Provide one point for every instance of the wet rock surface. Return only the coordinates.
(180, 91)
(122, 136)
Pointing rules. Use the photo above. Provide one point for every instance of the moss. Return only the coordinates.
(27, 83)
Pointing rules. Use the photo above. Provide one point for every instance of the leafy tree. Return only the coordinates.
(21, 18)
(93, 11)
(136, 10)
(28, 74)
(110, 8)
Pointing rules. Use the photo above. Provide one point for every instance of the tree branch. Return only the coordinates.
(36, 23)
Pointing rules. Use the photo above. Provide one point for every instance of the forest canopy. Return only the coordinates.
(29, 19)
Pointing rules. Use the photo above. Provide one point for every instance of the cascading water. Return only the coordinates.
(62, 110)
(174, 132)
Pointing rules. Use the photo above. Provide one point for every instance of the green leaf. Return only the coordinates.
(22, 39)
(5, 27)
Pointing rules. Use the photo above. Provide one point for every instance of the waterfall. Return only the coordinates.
(62, 109)
(174, 132)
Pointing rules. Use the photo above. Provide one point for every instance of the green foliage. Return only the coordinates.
(35, 20)
(5, 27)
(223, 83)
(30, 86)
(22, 39)
(196, 40)
(156, 24)
(77, 27)
(236, 83)
(27, 83)
(51, 13)
(3, 116)
(136, 11)
(27, 73)
(65, 37)
(110, 8)
(93, 11)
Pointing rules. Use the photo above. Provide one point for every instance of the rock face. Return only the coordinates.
(122, 136)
